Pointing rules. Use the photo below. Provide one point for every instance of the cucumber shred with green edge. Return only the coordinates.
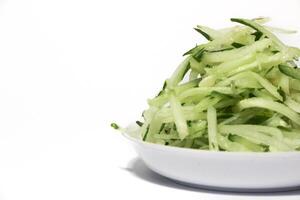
(238, 92)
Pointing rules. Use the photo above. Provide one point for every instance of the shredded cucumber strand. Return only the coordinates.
(271, 105)
(261, 29)
(212, 128)
(255, 137)
(179, 73)
(179, 119)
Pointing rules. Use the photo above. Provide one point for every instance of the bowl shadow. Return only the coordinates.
(139, 169)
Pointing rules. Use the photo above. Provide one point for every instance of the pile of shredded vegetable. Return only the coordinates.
(240, 91)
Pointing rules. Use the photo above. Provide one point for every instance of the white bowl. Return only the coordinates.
(229, 171)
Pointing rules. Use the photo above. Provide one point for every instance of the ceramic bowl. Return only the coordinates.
(231, 171)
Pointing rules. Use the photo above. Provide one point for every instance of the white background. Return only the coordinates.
(68, 68)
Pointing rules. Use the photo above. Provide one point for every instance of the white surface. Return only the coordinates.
(69, 68)
(228, 171)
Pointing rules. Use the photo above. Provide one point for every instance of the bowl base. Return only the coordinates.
(237, 190)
